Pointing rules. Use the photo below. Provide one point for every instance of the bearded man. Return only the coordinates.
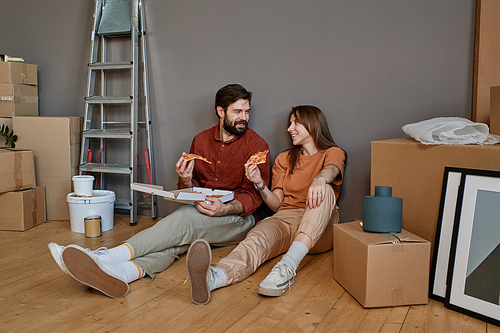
(228, 145)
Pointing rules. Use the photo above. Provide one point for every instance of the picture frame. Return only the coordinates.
(444, 230)
(473, 279)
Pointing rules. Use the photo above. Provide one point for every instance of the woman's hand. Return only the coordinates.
(272, 199)
(316, 193)
(253, 174)
(185, 171)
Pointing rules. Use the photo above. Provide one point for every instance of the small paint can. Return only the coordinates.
(93, 226)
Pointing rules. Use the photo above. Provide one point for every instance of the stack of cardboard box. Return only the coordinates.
(55, 142)
(18, 89)
(18, 92)
(22, 203)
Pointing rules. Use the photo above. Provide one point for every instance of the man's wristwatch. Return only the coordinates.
(260, 188)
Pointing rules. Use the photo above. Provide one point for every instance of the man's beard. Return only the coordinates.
(231, 128)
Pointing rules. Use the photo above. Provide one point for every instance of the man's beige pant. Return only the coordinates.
(274, 235)
(157, 247)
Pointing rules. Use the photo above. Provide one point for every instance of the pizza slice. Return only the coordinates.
(189, 157)
(258, 158)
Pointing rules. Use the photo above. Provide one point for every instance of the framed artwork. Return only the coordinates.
(444, 231)
(473, 279)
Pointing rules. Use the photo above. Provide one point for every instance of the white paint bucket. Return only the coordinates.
(83, 185)
(102, 203)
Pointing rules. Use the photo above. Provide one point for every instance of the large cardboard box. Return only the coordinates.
(5, 122)
(415, 173)
(55, 142)
(17, 170)
(16, 72)
(18, 100)
(21, 210)
(380, 269)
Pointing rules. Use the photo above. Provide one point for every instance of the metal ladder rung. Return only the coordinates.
(105, 167)
(141, 122)
(111, 65)
(114, 34)
(107, 133)
(125, 204)
(109, 100)
(122, 204)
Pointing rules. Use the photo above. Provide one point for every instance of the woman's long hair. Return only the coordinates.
(316, 124)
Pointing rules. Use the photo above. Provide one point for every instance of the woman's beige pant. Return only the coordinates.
(274, 235)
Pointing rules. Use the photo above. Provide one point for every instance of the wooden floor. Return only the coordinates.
(36, 296)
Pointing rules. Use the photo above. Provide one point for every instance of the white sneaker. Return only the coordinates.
(278, 281)
(85, 267)
(56, 251)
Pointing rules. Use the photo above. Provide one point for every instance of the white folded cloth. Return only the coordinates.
(450, 131)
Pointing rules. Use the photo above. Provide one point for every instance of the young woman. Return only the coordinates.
(305, 186)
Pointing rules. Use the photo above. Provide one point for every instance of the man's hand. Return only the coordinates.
(185, 171)
(217, 208)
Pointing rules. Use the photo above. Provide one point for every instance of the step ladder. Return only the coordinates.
(118, 119)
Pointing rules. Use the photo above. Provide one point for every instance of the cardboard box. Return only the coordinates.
(21, 210)
(495, 110)
(486, 57)
(415, 173)
(380, 269)
(17, 72)
(187, 195)
(55, 142)
(18, 100)
(17, 170)
(5, 122)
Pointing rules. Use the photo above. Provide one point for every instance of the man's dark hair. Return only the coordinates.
(229, 94)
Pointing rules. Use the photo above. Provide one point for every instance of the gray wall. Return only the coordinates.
(371, 66)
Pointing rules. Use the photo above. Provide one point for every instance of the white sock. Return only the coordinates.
(295, 254)
(117, 255)
(218, 278)
(129, 271)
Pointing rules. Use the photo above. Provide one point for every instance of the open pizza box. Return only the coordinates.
(187, 195)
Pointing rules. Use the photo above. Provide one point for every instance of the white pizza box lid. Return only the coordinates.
(187, 195)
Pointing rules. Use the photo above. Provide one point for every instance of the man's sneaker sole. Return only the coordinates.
(275, 292)
(198, 262)
(83, 268)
